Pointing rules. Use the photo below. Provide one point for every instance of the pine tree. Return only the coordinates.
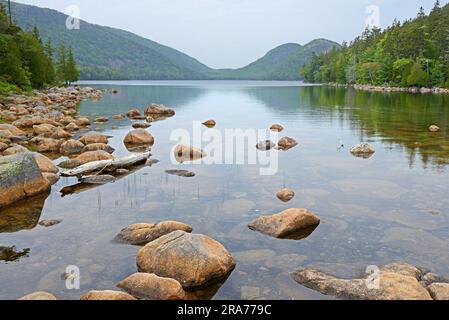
(61, 65)
(72, 73)
(418, 77)
(50, 68)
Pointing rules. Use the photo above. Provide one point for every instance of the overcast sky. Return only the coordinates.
(232, 33)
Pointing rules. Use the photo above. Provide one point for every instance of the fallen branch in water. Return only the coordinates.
(107, 165)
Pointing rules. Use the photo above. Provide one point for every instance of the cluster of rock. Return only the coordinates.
(171, 263)
(366, 87)
(395, 281)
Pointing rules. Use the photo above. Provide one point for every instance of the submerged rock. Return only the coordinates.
(363, 150)
(265, 145)
(185, 153)
(142, 233)
(394, 282)
(181, 173)
(10, 254)
(139, 137)
(286, 143)
(50, 223)
(40, 296)
(98, 179)
(106, 295)
(101, 120)
(150, 286)
(290, 224)
(285, 195)
(20, 177)
(194, 260)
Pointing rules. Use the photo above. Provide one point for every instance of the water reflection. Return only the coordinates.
(23, 215)
(11, 254)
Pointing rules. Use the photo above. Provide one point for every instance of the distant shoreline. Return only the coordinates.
(371, 88)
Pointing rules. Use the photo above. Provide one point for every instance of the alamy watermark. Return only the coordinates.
(373, 280)
(72, 277)
(373, 19)
(73, 13)
(233, 146)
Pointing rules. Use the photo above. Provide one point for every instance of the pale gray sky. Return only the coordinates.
(232, 33)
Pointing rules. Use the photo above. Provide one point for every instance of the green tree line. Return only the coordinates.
(26, 62)
(412, 53)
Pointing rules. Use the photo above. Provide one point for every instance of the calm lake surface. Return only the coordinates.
(391, 207)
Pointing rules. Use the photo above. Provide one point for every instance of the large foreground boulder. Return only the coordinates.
(194, 260)
(142, 233)
(39, 296)
(292, 224)
(150, 286)
(20, 177)
(393, 282)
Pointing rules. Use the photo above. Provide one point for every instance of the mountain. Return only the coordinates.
(105, 53)
(282, 62)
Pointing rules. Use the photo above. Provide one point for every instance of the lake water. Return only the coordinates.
(391, 207)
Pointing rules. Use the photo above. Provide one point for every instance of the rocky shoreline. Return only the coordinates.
(371, 88)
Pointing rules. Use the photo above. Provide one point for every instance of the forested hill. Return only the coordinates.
(281, 63)
(410, 53)
(105, 53)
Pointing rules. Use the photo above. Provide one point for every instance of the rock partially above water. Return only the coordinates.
(20, 177)
(363, 150)
(139, 137)
(286, 143)
(141, 125)
(159, 109)
(94, 137)
(434, 128)
(143, 233)
(210, 123)
(396, 282)
(289, 224)
(194, 260)
(107, 295)
(86, 157)
(285, 195)
(98, 146)
(133, 113)
(185, 153)
(150, 286)
(39, 296)
(277, 128)
(265, 145)
(71, 147)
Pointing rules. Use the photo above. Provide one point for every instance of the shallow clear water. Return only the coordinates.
(391, 207)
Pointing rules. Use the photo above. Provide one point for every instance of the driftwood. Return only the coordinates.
(107, 165)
